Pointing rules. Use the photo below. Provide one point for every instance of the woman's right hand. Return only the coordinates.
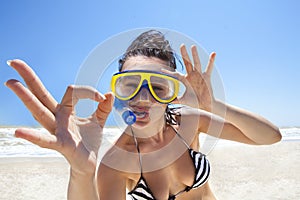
(77, 139)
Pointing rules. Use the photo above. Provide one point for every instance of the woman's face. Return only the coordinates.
(147, 110)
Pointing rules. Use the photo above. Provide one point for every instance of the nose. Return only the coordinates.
(143, 95)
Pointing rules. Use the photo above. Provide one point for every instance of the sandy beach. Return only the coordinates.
(256, 172)
(238, 172)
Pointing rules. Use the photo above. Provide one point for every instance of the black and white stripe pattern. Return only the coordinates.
(202, 168)
(202, 171)
(141, 191)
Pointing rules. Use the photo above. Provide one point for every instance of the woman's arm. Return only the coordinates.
(217, 126)
(77, 139)
(238, 125)
(82, 186)
(199, 94)
(253, 126)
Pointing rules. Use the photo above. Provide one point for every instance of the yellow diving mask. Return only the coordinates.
(127, 84)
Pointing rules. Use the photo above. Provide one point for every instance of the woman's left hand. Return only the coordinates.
(197, 83)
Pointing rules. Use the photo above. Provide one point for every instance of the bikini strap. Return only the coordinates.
(138, 149)
(172, 111)
(182, 139)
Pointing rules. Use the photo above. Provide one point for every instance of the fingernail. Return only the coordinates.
(5, 83)
(9, 62)
(100, 96)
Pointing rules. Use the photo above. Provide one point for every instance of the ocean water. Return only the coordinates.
(10, 146)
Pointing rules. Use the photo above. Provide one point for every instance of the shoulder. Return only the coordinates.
(105, 172)
(176, 113)
(121, 157)
(111, 183)
(190, 117)
(184, 110)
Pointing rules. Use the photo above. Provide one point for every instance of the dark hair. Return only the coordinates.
(151, 43)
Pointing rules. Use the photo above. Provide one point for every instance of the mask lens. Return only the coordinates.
(126, 86)
(163, 88)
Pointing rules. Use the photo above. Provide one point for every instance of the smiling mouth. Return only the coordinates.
(140, 112)
(141, 115)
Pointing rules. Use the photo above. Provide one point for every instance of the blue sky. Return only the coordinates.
(257, 45)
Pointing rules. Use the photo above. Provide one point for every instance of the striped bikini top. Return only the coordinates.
(202, 171)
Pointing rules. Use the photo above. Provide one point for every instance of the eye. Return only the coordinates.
(158, 88)
(130, 81)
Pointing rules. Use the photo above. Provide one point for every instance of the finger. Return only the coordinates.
(34, 83)
(186, 59)
(42, 114)
(104, 108)
(38, 138)
(181, 77)
(210, 64)
(74, 93)
(177, 75)
(196, 59)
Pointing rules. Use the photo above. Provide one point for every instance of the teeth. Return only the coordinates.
(140, 114)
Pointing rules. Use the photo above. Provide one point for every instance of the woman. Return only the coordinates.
(146, 84)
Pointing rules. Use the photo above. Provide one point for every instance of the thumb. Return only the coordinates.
(104, 108)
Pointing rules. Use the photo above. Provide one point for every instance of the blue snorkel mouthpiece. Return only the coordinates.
(129, 117)
(122, 108)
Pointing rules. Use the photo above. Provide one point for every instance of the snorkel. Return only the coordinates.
(128, 117)
(125, 112)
